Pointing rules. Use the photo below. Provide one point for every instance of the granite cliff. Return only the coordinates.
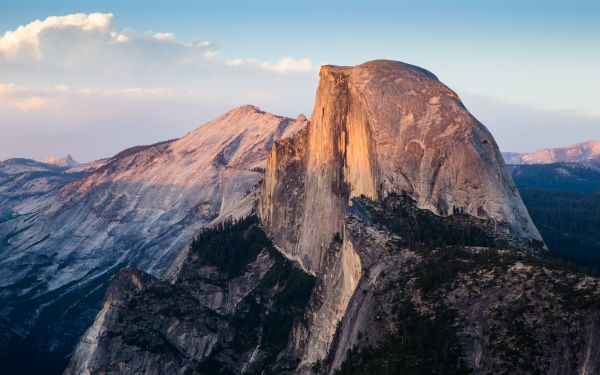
(376, 128)
(380, 127)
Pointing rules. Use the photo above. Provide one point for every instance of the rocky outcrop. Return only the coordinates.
(457, 292)
(228, 309)
(468, 303)
(139, 208)
(376, 128)
(586, 152)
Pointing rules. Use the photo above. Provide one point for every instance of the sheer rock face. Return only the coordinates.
(379, 127)
(139, 209)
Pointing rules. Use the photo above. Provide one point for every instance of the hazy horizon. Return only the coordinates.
(90, 79)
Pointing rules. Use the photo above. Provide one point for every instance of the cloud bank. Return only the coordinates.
(78, 79)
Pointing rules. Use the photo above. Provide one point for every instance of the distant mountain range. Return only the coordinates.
(586, 152)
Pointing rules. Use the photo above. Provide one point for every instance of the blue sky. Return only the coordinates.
(529, 70)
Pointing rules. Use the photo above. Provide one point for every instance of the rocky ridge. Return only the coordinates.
(139, 208)
(585, 152)
(228, 309)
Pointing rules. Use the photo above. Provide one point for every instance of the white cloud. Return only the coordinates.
(588, 112)
(238, 62)
(22, 98)
(210, 54)
(283, 66)
(164, 37)
(26, 98)
(289, 65)
(87, 90)
(26, 39)
(119, 37)
(62, 88)
(137, 91)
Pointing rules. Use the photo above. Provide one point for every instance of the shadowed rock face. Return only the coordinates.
(228, 309)
(379, 127)
(472, 307)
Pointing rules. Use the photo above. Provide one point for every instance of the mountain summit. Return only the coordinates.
(66, 161)
(380, 127)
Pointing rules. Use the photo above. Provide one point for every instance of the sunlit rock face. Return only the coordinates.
(139, 208)
(376, 128)
(379, 127)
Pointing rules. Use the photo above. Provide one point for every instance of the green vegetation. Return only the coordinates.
(266, 316)
(563, 200)
(423, 229)
(569, 222)
(424, 340)
(574, 177)
(231, 246)
(422, 344)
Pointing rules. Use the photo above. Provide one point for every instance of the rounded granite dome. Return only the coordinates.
(377, 128)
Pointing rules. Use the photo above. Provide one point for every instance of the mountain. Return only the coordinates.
(139, 208)
(377, 128)
(232, 288)
(388, 238)
(382, 127)
(25, 180)
(66, 161)
(582, 152)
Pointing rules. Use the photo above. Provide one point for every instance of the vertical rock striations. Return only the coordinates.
(380, 127)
